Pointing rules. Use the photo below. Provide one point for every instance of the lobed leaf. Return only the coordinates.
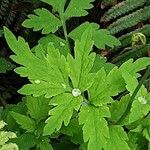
(42, 20)
(64, 104)
(37, 107)
(118, 139)
(98, 92)
(25, 122)
(95, 129)
(101, 37)
(48, 73)
(81, 65)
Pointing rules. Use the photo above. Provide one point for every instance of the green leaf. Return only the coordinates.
(76, 34)
(25, 122)
(42, 20)
(81, 65)
(95, 129)
(45, 145)
(5, 65)
(117, 108)
(56, 4)
(101, 37)
(74, 131)
(118, 138)
(65, 105)
(98, 92)
(48, 74)
(101, 62)
(37, 107)
(26, 141)
(132, 140)
(146, 128)
(141, 104)
(140, 108)
(132, 83)
(115, 74)
(77, 8)
(57, 41)
(134, 67)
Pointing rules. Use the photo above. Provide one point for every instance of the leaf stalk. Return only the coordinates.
(133, 96)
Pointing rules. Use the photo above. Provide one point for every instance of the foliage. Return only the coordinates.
(126, 19)
(5, 65)
(4, 138)
(67, 98)
(74, 99)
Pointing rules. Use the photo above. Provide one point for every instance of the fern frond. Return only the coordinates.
(10, 18)
(130, 20)
(123, 8)
(134, 53)
(126, 39)
(4, 5)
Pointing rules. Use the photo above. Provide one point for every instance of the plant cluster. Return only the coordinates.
(4, 138)
(74, 99)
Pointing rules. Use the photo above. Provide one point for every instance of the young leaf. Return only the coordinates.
(65, 105)
(118, 138)
(100, 37)
(37, 107)
(81, 65)
(25, 122)
(77, 8)
(98, 92)
(42, 20)
(95, 129)
(49, 75)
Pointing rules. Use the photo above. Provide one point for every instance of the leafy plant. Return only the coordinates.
(72, 94)
(4, 138)
(126, 19)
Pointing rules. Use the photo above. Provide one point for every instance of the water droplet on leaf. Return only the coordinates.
(76, 92)
(37, 81)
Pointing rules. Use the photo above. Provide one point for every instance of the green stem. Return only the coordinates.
(65, 33)
(133, 96)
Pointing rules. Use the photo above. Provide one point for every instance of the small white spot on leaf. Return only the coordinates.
(37, 81)
(142, 100)
(62, 44)
(76, 92)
